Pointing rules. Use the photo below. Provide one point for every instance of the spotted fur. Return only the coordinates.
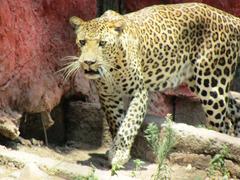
(154, 49)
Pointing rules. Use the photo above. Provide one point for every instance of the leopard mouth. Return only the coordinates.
(92, 74)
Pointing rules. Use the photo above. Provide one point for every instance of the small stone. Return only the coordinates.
(24, 142)
(31, 171)
(189, 167)
(2, 170)
(36, 142)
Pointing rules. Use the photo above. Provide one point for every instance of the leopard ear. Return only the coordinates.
(75, 22)
(119, 26)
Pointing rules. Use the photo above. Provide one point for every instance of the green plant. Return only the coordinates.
(198, 178)
(217, 163)
(138, 165)
(201, 126)
(90, 177)
(116, 168)
(161, 146)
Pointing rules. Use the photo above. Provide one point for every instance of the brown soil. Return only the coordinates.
(83, 155)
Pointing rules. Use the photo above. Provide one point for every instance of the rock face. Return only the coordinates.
(34, 36)
(85, 124)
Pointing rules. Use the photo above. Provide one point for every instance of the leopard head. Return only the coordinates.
(98, 41)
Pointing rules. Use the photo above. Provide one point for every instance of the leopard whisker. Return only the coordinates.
(69, 58)
(70, 73)
(70, 69)
(100, 72)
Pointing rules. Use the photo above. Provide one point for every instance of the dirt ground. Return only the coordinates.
(81, 158)
(32, 160)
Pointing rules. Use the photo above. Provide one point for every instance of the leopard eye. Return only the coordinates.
(82, 42)
(102, 43)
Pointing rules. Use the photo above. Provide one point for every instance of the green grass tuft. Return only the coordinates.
(161, 146)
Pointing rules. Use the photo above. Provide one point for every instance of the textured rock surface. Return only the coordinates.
(189, 111)
(202, 161)
(32, 127)
(201, 140)
(34, 35)
(85, 123)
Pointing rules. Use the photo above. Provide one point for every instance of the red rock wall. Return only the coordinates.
(34, 36)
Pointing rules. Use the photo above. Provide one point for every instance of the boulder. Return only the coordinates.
(86, 126)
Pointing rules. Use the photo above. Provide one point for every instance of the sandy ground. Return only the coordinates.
(68, 162)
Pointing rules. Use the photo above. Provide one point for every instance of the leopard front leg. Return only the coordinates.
(112, 106)
(119, 153)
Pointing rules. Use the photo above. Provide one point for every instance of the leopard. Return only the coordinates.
(155, 49)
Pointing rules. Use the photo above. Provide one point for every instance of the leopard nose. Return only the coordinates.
(90, 62)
